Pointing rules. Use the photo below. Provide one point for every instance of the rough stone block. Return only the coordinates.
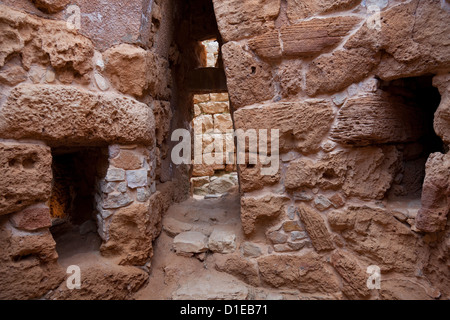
(66, 115)
(26, 175)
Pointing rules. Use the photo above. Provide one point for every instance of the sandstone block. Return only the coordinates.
(125, 66)
(239, 267)
(32, 218)
(316, 228)
(307, 38)
(70, 116)
(269, 206)
(50, 6)
(301, 9)
(378, 118)
(377, 167)
(307, 122)
(432, 216)
(28, 263)
(213, 107)
(377, 237)
(203, 123)
(242, 19)
(242, 66)
(308, 273)
(131, 234)
(223, 123)
(128, 160)
(354, 276)
(26, 175)
(174, 227)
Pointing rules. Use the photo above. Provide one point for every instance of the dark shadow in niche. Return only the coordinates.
(417, 91)
(76, 172)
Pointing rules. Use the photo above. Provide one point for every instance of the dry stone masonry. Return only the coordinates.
(361, 99)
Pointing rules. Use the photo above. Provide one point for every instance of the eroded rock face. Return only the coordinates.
(241, 19)
(241, 66)
(104, 281)
(432, 216)
(442, 116)
(252, 209)
(238, 266)
(26, 175)
(363, 172)
(378, 238)
(307, 272)
(317, 230)
(301, 9)
(378, 118)
(302, 125)
(28, 263)
(130, 238)
(353, 275)
(71, 116)
(307, 38)
(132, 70)
(44, 41)
(50, 6)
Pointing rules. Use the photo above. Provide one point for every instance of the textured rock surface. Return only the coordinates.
(125, 65)
(130, 234)
(433, 214)
(252, 209)
(378, 118)
(71, 116)
(241, 19)
(304, 39)
(242, 66)
(307, 273)
(32, 218)
(212, 289)
(103, 281)
(332, 73)
(26, 175)
(222, 240)
(363, 172)
(28, 263)
(50, 6)
(317, 230)
(302, 125)
(378, 238)
(442, 116)
(244, 269)
(44, 41)
(301, 9)
(354, 276)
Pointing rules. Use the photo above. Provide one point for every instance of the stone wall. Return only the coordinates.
(106, 85)
(317, 70)
(357, 184)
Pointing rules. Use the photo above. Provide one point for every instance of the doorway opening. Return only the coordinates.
(76, 176)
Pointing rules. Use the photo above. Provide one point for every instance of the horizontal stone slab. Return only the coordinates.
(304, 39)
(65, 115)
